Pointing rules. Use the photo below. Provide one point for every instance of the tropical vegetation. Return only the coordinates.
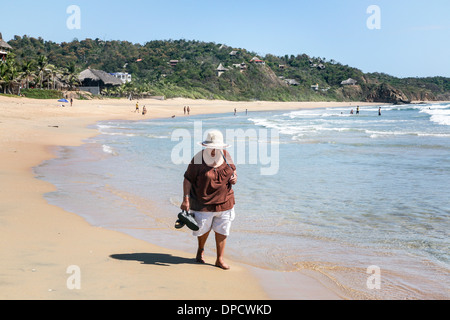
(193, 73)
(22, 76)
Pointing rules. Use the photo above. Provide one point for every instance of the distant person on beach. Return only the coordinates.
(137, 107)
(357, 110)
(351, 111)
(188, 110)
(144, 111)
(71, 102)
(208, 193)
(235, 111)
(379, 111)
(184, 110)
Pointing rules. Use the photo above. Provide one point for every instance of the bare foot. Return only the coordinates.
(199, 257)
(222, 265)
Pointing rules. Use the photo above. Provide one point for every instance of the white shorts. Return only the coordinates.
(220, 222)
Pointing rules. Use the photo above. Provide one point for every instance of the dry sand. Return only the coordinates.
(40, 241)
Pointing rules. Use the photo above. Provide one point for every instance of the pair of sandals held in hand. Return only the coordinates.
(186, 219)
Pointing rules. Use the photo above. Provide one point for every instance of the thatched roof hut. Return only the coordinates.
(4, 48)
(221, 70)
(4, 44)
(94, 81)
(102, 78)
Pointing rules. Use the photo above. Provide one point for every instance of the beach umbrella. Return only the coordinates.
(63, 100)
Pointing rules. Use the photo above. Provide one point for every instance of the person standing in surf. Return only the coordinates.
(208, 193)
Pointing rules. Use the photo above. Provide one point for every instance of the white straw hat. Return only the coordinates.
(214, 140)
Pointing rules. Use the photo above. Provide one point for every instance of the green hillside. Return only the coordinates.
(195, 75)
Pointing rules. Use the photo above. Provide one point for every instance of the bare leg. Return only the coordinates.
(220, 246)
(201, 247)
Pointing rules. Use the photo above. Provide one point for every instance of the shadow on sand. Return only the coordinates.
(158, 259)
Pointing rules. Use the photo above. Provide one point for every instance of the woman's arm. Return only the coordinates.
(186, 193)
(233, 179)
(230, 163)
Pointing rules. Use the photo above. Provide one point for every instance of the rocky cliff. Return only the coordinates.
(386, 93)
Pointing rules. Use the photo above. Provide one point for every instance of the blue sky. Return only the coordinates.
(414, 39)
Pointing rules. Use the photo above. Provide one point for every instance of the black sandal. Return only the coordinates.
(179, 224)
(188, 219)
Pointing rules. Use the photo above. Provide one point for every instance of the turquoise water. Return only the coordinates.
(320, 191)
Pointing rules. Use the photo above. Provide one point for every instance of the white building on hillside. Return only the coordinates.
(125, 77)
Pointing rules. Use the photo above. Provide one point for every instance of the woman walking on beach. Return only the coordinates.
(208, 193)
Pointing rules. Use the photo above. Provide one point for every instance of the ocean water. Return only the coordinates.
(320, 191)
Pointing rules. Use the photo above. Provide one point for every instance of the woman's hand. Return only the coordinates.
(185, 205)
(186, 191)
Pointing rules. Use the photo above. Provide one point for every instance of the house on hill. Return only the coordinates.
(94, 81)
(5, 48)
(319, 66)
(349, 82)
(221, 70)
(257, 60)
(241, 66)
(123, 76)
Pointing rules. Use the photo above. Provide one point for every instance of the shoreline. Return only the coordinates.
(40, 241)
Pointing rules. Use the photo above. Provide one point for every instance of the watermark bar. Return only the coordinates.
(251, 146)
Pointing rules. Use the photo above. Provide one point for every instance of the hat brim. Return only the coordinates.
(213, 145)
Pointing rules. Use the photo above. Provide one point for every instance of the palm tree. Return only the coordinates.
(15, 76)
(71, 75)
(52, 72)
(120, 91)
(3, 76)
(106, 92)
(42, 64)
(28, 71)
(9, 75)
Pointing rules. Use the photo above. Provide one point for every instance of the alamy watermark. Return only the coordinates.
(374, 20)
(74, 280)
(374, 280)
(73, 22)
(250, 146)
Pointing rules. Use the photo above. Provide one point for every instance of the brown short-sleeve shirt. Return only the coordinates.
(211, 190)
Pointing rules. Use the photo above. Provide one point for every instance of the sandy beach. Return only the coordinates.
(39, 242)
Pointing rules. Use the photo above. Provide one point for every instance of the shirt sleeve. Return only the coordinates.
(191, 172)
